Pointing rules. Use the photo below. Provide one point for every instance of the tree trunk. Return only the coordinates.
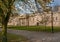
(4, 32)
(28, 21)
(27, 18)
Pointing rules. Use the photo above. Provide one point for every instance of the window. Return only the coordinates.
(56, 18)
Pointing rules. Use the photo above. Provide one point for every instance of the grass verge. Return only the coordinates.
(36, 28)
(14, 38)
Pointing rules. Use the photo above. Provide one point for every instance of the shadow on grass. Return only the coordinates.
(14, 38)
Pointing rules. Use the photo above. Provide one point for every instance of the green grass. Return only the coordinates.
(14, 38)
(35, 28)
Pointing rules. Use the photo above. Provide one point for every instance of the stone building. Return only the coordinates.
(36, 19)
(25, 20)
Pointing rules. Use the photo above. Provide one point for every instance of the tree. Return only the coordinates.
(43, 4)
(27, 17)
(5, 12)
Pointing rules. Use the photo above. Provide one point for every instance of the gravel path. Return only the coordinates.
(37, 36)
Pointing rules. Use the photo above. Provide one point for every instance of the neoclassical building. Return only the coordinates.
(25, 20)
(35, 19)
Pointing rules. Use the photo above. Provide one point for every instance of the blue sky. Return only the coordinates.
(27, 10)
(56, 2)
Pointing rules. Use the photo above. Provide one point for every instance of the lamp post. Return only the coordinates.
(52, 29)
(49, 8)
(52, 20)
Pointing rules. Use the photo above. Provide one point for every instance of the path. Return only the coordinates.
(37, 36)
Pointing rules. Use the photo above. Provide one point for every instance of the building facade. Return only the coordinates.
(35, 19)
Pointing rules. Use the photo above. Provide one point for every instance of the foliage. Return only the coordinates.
(44, 4)
(6, 7)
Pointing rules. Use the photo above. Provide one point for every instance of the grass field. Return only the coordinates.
(14, 38)
(35, 28)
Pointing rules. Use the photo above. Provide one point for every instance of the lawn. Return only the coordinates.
(36, 28)
(15, 38)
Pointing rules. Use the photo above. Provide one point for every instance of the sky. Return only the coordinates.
(24, 8)
(56, 2)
